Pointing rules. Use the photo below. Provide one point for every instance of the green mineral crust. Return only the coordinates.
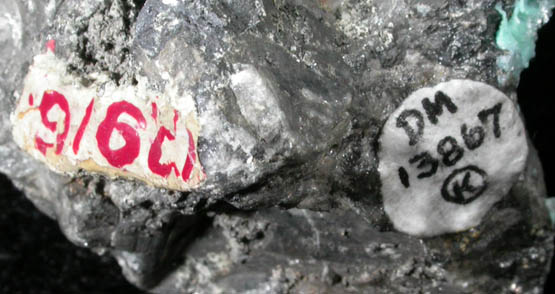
(517, 35)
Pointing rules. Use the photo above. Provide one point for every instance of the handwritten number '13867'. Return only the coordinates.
(448, 148)
(118, 158)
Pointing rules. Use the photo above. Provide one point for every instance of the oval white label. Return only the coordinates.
(447, 154)
(129, 131)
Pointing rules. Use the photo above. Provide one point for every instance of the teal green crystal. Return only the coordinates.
(517, 35)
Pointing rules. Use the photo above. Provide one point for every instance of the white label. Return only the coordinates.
(447, 154)
(127, 131)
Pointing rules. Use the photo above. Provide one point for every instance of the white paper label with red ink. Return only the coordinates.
(119, 131)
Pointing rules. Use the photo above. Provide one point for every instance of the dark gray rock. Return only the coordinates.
(291, 97)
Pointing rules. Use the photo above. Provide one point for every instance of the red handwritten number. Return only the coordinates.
(124, 155)
(130, 151)
(42, 145)
(191, 158)
(155, 153)
(154, 111)
(82, 127)
(49, 100)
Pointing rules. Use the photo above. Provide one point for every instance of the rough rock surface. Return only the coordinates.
(291, 98)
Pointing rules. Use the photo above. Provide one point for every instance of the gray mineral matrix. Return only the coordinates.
(281, 146)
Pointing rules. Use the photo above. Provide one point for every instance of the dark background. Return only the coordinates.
(537, 101)
(34, 255)
(36, 258)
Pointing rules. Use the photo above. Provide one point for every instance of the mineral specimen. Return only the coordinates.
(291, 106)
(517, 35)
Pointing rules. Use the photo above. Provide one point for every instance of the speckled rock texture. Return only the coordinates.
(291, 98)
